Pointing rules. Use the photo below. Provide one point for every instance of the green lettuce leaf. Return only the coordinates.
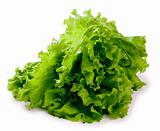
(90, 72)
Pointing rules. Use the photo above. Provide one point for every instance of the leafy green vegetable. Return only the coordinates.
(90, 72)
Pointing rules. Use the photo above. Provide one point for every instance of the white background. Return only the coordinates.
(28, 26)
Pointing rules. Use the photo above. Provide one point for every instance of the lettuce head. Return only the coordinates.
(90, 72)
